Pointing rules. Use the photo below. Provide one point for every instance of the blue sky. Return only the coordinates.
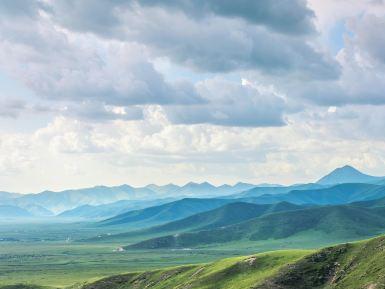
(138, 92)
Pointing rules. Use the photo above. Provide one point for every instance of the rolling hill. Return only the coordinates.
(337, 222)
(354, 266)
(166, 212)
(228, 214)
(110, 210)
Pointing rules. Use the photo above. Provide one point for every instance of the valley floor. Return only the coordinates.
(42, 260)
(357, 265)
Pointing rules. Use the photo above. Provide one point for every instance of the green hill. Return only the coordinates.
(335, 222)
(349, 266)
(226, 215)
(358, 265)
(165, 213)
(229, 214)
(236, 273)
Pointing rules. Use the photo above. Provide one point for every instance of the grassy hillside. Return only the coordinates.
(358, 265)
(337, 222)
(354, 266)
(233, 273)
(166, 213)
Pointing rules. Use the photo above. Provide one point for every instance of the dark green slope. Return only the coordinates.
(338, 222)
(226, 215)
(349, 266)
(229, 214)
(166, 212)
(370, 204)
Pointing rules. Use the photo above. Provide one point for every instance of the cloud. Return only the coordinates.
(231, 104)
(283, 15)
(210, 36)
(72, 70)
(11, 107)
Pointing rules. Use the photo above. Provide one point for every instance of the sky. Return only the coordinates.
(159, 91)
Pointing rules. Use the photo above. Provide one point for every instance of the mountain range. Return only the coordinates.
(103, 202)
(59, 202)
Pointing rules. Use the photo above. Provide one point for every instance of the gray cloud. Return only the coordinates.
(11, 107)
(369, 36)
(231, 104)
(211, 36)
(60, 67)
(113, 66)
(286, 16)
(226, 45)
(20, 8)
(100, 112)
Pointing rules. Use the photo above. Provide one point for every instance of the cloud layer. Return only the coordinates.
(224, 90)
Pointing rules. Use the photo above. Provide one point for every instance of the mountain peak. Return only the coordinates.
(348, 168)
(347, 174)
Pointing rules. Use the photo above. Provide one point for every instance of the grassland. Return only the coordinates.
(47, 255)
(43, 254)
(359, 265)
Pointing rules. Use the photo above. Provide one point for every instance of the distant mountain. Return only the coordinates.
(165, 190)
(347, 174)
(336, 222)
(69, 199)
(8, 211)
(8, 196)
(110, 210)
(338, 194)
(272, 190)
(37, 211)
(206, 189)
(59, 202)
(166, 212)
